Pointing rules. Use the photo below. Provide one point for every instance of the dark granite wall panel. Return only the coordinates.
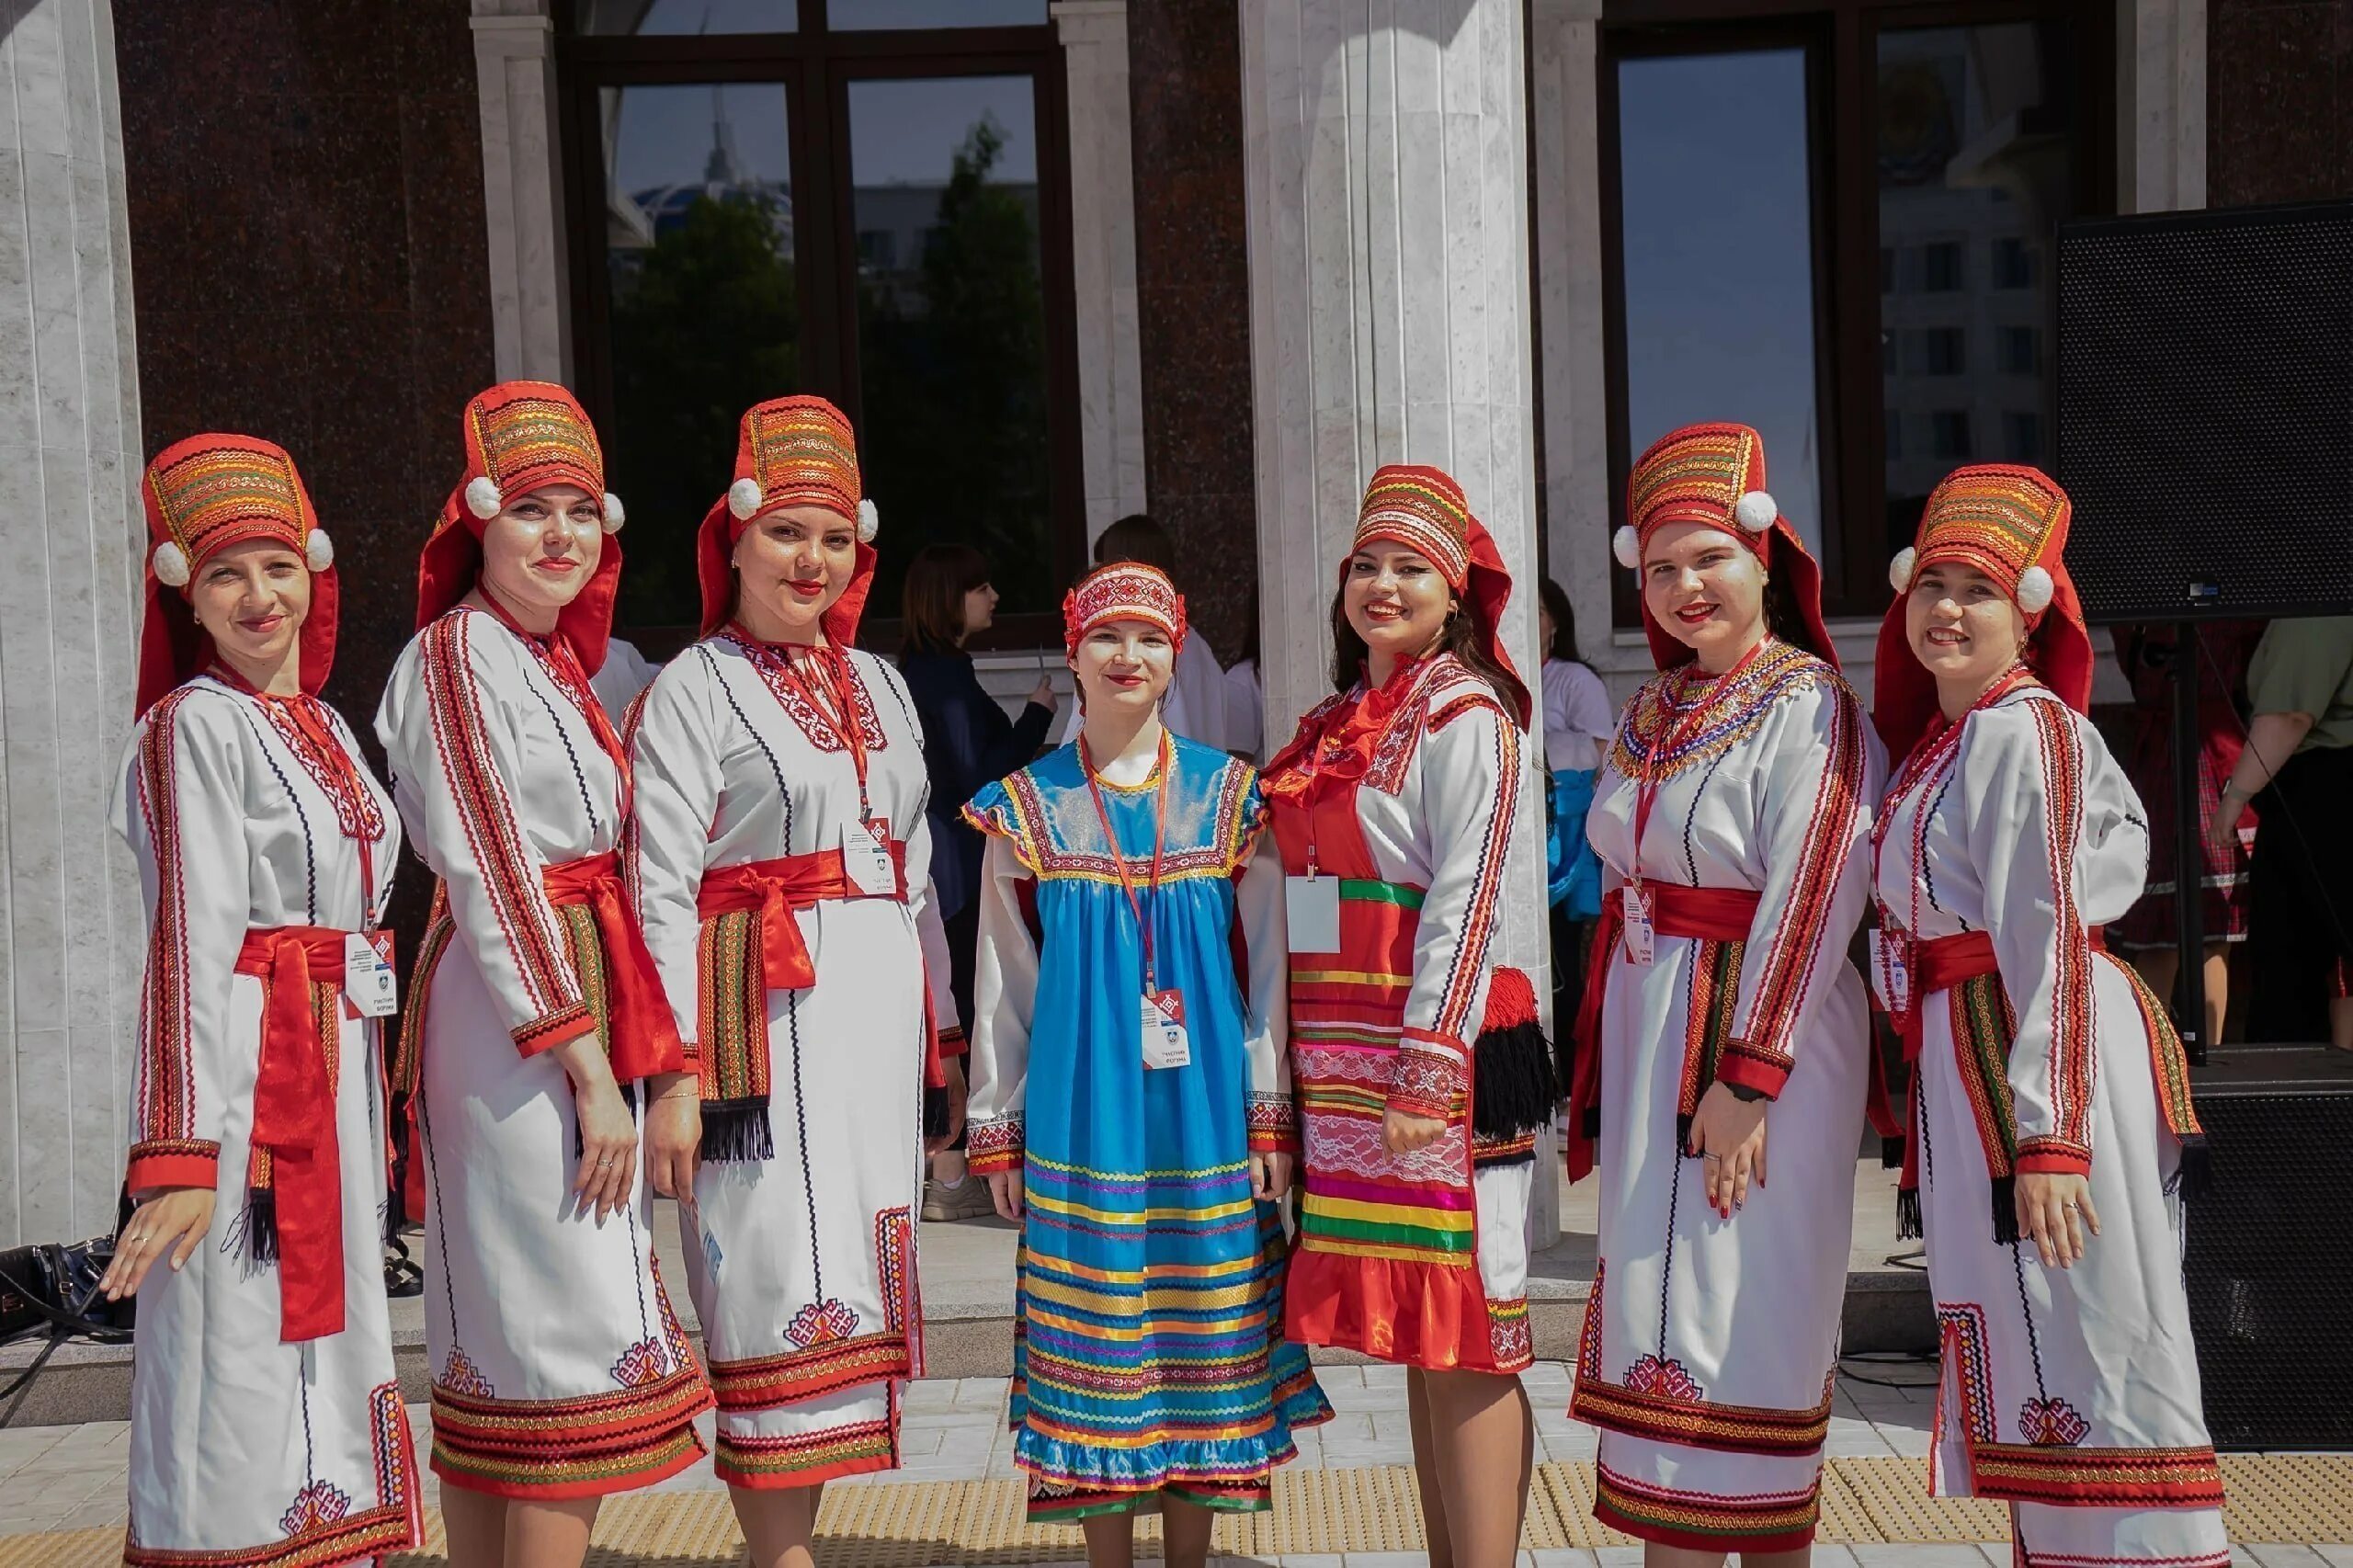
(308, 264)
(2278, 101)
(1193, 300)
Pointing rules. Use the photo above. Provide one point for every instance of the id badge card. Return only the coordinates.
(1640, 937)
(1312, 914)
(1165, 1043)
(1892, 972)
(866, 859)
(368, 977)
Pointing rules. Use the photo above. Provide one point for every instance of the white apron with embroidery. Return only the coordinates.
(2076, 1387)
(559, 1369)
(245, 1450)
(1711, 1345)
(802, 1263)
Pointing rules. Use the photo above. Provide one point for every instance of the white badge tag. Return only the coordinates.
(1638, 936)
(866, 859)
(1165, 1043)
(1312, 914)
(367, 979)
(1892, 972)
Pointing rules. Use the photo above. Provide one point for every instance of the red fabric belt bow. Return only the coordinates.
(774, 889)
(641, 1032)
(1705, 914)
(294, 1121)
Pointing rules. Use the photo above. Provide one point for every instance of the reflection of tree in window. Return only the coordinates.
(951, 359)
(705, 326)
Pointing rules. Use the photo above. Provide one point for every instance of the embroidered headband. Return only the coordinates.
(799, 451)
(526, 435)
(2005, 521)
(1423, 509)
(1125, 590)
(1702, 473)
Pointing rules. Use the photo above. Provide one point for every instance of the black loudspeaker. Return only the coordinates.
(2205, 411)
(2269, 1263)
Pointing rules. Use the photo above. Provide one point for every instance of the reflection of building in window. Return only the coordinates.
(898, 225)
(1975, 167)
(635, 220)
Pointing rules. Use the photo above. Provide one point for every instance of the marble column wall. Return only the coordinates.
(1389, 287)
(70, 545)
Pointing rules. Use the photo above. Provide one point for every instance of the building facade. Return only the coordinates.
(1062, 260)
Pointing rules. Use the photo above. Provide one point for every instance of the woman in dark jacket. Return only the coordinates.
(967, 743)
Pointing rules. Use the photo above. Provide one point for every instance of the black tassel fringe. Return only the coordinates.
(261, 1224)
(1908, 1215)
(2006, 1211)
(935, 1112)
(1891, 1154)
(737, 1131)
(1513, 1089)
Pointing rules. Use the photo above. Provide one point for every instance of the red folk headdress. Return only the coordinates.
(522, 436)
(1424, 510)
(2010, 523)
(1125, 590)
(1714, 475)
(202, 495)
(789, 452)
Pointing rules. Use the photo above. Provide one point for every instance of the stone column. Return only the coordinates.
(1094, 36)
(1387, 189)
(2161, 105)
(522, 173)
(71, 541)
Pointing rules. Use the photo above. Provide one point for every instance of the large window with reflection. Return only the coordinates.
(862, 199)
(1835, 223)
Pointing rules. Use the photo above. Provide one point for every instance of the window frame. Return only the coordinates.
(1841, 38)
(816, 65)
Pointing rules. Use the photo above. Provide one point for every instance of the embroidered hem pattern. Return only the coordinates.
(2130, 1478)
(772, 1383)
(1659, 1402)
(571, 1447)
(1763, 1522)
(805, 1459)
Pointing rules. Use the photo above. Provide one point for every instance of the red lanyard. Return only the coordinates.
(319, 737)
(1923, 764)
(836, 704)
(1120, 860)
(1664, 742)
(555, 652)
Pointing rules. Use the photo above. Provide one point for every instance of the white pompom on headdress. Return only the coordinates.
(481, 496)
(318, 550)
(171, 565)
(1898, 571)
(870, 522)
(1627, 545)
(744, 499)
(2034, 590)
(1755, 512)
(615, 513)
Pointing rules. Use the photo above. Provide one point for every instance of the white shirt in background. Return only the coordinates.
(1576, 709)
(626, 672)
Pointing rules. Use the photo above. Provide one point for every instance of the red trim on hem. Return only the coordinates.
(560, 1028)
(2050, 1162)
(363, 1538)
(1616, 1408)
(1694, 1540)
(557, 1492)
(1735, 1067)
(751, 1481)
(148, 1171)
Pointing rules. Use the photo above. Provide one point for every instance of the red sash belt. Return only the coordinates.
(774, 889)
(1943, 962)
(1704, 914)
(641, 1033)
(294, 1121)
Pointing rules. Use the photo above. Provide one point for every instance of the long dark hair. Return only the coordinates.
(931, 603)
(1555, 600)
(1459, 637)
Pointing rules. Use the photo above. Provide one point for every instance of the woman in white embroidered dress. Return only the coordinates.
(2051, 1108)
(560, 1372)
(784, 864)
(1393, 809)
(265, 1423)
(1723, 1006)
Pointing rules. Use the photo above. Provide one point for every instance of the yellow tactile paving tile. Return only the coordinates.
(2297, 1498)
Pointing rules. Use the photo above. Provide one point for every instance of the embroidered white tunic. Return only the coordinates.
(559, 1369)
(2073, 1394)
(247, 1449)
(1713, 1409)
(802, 1258)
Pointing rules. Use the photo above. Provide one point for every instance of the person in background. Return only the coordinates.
(1245, 694)
(2298, 764)
(1195, 707)
(968, 742)
(1578, 723)
(627, 672)
(1578, 718)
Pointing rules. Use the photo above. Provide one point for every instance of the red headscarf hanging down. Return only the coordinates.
(203, 494)
(1423, 509)
(789, 452)
(522, 436)
(1125, 590)
(2011, 524)
(1715, 474)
